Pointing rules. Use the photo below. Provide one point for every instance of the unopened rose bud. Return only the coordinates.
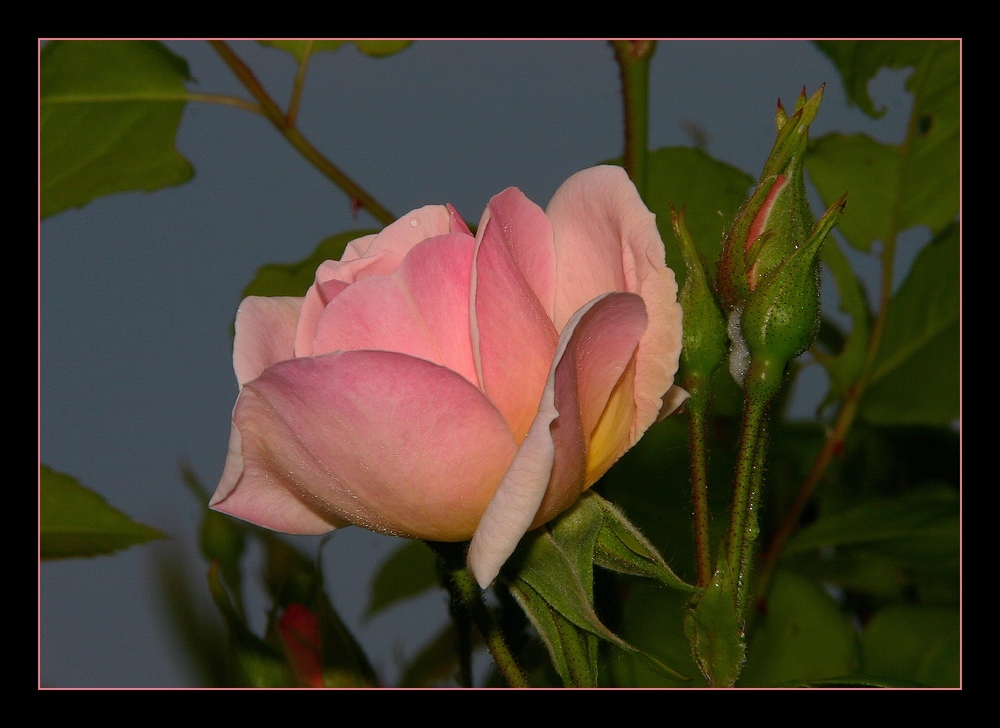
(776, 218)
(704, 337)
(781, 317)
(767, 277)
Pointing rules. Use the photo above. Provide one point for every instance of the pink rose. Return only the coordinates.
(436, 385)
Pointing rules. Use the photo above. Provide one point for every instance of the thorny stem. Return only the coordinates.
(634, 57)
(300, 79)
(697, 408)
(749, 459)
(467, 596)
(286, 128)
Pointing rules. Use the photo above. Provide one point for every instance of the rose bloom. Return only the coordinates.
(438, 385)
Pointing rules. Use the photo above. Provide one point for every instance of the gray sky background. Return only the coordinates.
(138, 291)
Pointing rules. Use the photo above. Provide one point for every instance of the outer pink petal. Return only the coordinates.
(550, 469)
(422, 309)
(513, 335)
(606, 240)
(265, 334)
(372, 255)
(383, 440)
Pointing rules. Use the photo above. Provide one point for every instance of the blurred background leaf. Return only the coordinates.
(76, 521)
(915, 643)
(294, 279)
(916, 370)
(409, 571)
(109, 116)
(301, 49)
(710, 192)
(800, 634)
(894, 187)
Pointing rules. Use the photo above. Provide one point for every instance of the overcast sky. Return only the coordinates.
(138, 291)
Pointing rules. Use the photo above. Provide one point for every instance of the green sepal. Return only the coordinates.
(551, 576)
(572, 648)
(790, 145)
(621, 547)
(714, 629)
(76, 521)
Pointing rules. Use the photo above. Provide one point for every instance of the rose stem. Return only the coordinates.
(287, 129)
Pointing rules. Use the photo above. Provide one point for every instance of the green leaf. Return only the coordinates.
(921, 644)
(710, 192)
(294, 279)
(409, 571)
(109, 112)
(887, 528)
(915, 379)
(894, 187)
(922, 523)
(800, 636)
(76, 521)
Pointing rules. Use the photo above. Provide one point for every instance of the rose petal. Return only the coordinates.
(386, 441)
(398, 238)
(524, 230)
(372, 255)
(550, 469)
(513, 335)
(265, 334)
(604, 345)
(606, 240)
(422, 309)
